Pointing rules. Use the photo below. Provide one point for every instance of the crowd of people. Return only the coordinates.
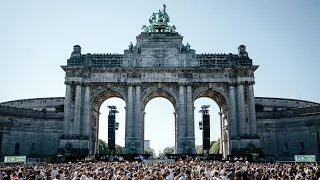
(214, 170)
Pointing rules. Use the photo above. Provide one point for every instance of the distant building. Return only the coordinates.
(146, 144)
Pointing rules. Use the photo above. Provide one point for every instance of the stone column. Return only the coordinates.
(221, 134)
(87, 112)
(252, 110)
(97, 133)
(142, 128)
(241, 110)
(232, 123)
(190, 116)
(182, 124)
(137, 122)
(175, 132)
(129, 117)
(77, 111)
(67, 108)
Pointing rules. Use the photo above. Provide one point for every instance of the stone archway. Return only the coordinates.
(159, 59)
(163, 92)
(98, 96)
(216, 92)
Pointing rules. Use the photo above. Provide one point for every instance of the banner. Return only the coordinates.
(304, 158)
(15, 159)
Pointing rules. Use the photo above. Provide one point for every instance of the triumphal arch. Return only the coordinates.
(159, 64)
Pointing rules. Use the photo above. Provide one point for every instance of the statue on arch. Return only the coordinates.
(181, 46)
(165, 16)
(188, 47)
(173, 28)
(131, 47)
(153, 18)
(132, 147)
(187, 147)
(160, 17)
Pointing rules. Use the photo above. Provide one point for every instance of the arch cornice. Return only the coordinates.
(100, 93)
(215, 91)
(169, 91)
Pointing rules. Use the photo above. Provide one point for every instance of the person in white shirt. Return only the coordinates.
(54, 172)
(215, 176)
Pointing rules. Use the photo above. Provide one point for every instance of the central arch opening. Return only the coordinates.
(159, 122)
(103, 123)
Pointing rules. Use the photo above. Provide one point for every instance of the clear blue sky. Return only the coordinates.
(37, 36)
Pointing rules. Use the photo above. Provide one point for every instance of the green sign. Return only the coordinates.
(305, 158)
(15, 159)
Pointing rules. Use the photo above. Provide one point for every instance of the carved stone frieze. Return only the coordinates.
(160, 45)
(186, 75)
(134, 75)
(103, 91)
(215, 91)
(166, 90)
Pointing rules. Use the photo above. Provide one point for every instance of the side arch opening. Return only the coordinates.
(218, 121)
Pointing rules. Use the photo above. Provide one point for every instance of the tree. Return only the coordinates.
(199, 149)
(149, 151)
(214, 147)
(168, 150)
(103, 148)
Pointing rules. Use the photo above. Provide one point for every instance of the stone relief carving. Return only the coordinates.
(216, 91)
(171, 88)
(119, 90)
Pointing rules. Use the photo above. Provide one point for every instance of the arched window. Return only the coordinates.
(285, 147)
(33, 148)
(301, 147)
(17, 148)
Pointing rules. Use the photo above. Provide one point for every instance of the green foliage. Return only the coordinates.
(199, 149)
(149, 151)
(103, 148)
(168, 150)
(214, 147)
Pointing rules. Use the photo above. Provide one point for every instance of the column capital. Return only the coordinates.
(251, 82)
(181, 83)
(130, 83)
(67, 83)
(77, 83)
(232, 84)
(87, 83)
(241, 83)
(189, 83)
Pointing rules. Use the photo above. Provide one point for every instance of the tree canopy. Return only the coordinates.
(103, 148)
(214, 147)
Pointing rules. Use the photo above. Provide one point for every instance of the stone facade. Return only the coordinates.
(288, 127)
(25, 130)
(157, 66)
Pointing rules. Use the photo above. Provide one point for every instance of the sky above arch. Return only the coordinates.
(282, 37)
